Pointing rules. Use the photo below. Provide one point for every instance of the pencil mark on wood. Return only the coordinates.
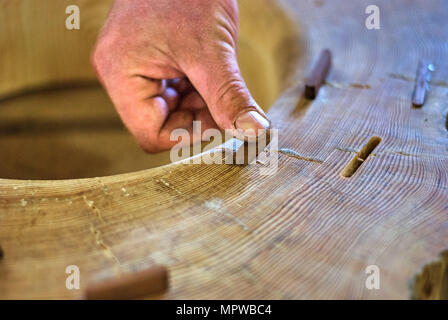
(340, 85)
(401, 77)
(103, 186)
(218, 206)
(435, 83)
(107, 251)
(166, 184)
(93, 208)
(296, 155)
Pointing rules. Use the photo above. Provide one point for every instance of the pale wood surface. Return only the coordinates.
(305, 232)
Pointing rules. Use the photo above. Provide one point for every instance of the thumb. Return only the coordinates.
(220, 83)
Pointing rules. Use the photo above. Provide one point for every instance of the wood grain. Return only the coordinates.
(305, 232)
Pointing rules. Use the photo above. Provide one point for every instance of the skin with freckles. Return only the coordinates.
(168, 63)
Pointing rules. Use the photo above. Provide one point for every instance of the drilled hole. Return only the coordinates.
(360, 157)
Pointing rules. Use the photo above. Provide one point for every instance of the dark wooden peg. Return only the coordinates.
(317, 75)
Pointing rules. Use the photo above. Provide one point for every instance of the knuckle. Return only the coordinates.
(100, 57)
(230, 88)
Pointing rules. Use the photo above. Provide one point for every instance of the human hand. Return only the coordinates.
(168, 63)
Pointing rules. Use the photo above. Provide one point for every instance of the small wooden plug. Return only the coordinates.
(317, 75)
(422, 83)
(131, 286)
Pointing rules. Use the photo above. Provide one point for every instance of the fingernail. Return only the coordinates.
(250, 122)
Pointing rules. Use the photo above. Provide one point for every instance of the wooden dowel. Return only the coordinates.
(131, 286)
(446, 122)
(317, 75)
(422, 83)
